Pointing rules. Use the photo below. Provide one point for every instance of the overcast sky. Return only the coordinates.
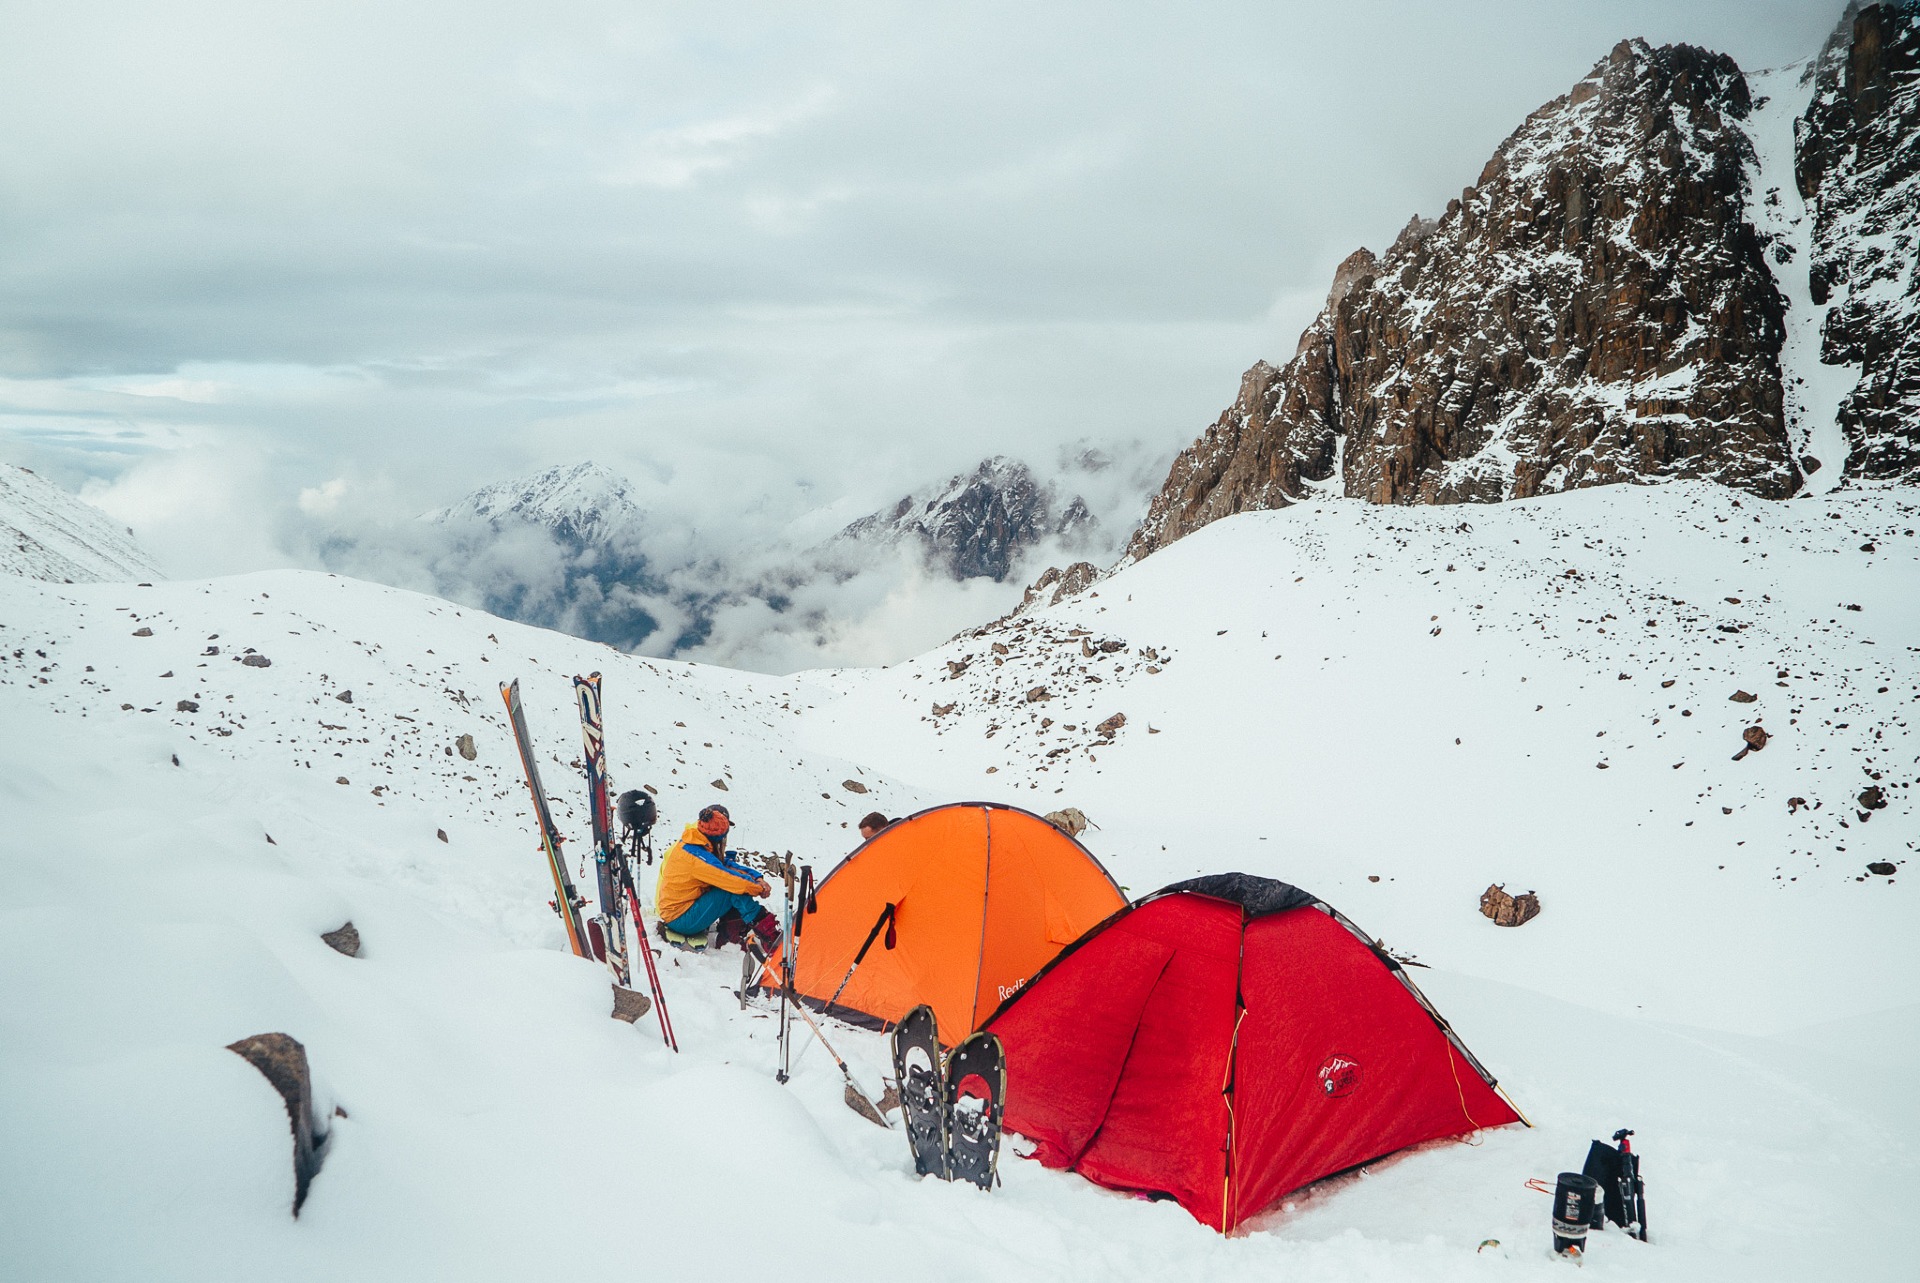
(267, 267)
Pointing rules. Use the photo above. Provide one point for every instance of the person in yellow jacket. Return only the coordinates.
(701, 883)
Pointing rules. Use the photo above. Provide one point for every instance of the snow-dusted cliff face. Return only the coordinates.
(1858, 168)
(46, 533)
(978, 523)
(1602, 305)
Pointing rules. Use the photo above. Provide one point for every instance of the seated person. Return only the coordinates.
(700, 884)
(872, 824)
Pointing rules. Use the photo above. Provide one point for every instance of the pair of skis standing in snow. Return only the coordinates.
(604, 937)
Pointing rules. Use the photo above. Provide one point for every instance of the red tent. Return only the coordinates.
(1227, 1040)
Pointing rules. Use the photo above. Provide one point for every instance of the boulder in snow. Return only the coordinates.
(1071, 821)
(629, 1005)
(1509, 910)
(283, 1061)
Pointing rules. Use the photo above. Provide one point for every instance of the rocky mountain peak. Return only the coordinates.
(979, 523)
(584, 504)
(1596, 308)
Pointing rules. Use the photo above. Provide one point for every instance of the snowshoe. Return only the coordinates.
(976, 1101)
(922, 1087)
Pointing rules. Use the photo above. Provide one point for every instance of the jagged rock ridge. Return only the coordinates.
(1857, 164)
(1595, 309)
(46, 533)
(978, 523)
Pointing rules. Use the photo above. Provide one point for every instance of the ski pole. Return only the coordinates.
(786, 969)
(653, 975)
(857, 1100)
(884, 920)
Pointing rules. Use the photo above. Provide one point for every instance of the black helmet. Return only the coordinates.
(637, 810)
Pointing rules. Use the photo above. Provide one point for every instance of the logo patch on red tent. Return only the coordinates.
(1339, 1075)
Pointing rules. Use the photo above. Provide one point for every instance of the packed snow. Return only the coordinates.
(46, 533)
(1391, 707)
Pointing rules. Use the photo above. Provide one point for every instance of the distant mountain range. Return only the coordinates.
(573, 548)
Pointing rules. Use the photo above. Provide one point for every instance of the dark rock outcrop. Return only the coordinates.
(343, 939)
(1857, 164)
(1507, 909)
(1056, 585)
(629, 1005)
(283, 1061)
(979, 523)
(1595, 309)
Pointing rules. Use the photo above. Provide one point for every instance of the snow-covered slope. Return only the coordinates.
(46, 533)
(1332, 694)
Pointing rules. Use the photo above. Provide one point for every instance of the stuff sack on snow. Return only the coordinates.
(1227, 1040)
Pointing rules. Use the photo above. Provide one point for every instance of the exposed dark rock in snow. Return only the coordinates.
(1508, 910)
(1857, 163)
(344, 939)
(1056, 585)
(283, 1061)
(1070, 820)
(629, 1005)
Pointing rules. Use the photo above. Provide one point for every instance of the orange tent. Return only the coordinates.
(963, 904)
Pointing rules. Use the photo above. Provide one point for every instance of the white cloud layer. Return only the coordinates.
(266, 264)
